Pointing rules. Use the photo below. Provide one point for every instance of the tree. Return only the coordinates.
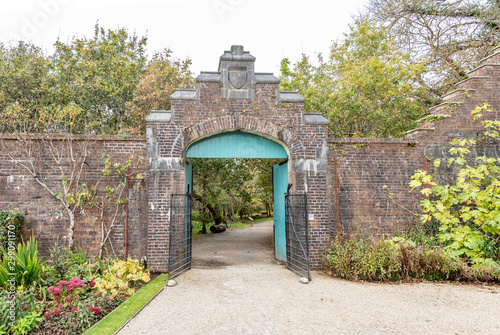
(24, 79)
(262, 170)
(219, 186)
(100, 75)
(366, 88)
(162, 76)
(227, 188)
(448, 36)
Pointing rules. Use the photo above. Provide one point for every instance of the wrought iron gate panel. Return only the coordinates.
(179, 251)
(297, 234)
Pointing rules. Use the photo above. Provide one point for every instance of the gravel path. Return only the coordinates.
(236, 287)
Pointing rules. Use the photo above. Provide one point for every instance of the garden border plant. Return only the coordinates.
(67, 294)
(129, 308)
(465, 209)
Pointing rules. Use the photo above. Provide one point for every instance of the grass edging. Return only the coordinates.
(118, 318)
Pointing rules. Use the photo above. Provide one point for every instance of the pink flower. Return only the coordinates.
(91, 283)
(57, 311)
(60, 306)
(57, 290)
(84, 285)
(63, 283)
(74, 309)
(51, 288)
(57, 299)
(95, 310)
(67, 299)
(75, 282)
(46, 315)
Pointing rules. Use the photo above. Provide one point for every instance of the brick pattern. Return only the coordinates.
(48, 223)
(364, 167)
(264, 116)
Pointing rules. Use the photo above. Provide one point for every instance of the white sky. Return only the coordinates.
(199, 29)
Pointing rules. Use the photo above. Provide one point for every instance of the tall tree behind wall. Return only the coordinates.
(107, 76)
(100, 75)
(366, 87)
(162, 76)
(24, 80)
(449, 37)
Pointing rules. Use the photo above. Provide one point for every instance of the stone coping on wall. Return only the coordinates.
(135, 138)
(160, 116)
(315, 119)
(216, 77)
(362, 140)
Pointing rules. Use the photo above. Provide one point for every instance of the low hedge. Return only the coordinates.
(361, 258)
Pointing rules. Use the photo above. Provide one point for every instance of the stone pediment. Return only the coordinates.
(236, 68)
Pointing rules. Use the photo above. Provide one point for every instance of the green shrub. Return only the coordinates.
(467, 209)
(23, 263)
(491, 247)
(20, 312)
(65, 264)
(361, 258)
(399, 258)
(115, 279)
(10, 223)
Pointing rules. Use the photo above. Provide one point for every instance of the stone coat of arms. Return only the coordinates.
(237, 77)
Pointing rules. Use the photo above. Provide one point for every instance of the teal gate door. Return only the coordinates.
(280, 184)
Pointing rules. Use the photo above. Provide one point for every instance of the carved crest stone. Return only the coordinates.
(237, 74)
(238, 77)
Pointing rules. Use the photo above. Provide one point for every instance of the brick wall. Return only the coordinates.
(48, 222)
(364, 167)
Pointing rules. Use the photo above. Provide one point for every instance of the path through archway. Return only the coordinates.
(238, 144)
(235, 247)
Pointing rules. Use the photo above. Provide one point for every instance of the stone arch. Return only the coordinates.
(277, 133)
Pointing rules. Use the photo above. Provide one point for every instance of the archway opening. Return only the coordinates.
(238, 177)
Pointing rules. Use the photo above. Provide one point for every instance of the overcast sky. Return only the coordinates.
(199, 29)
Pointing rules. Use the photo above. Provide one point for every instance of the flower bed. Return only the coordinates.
(66, 295)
